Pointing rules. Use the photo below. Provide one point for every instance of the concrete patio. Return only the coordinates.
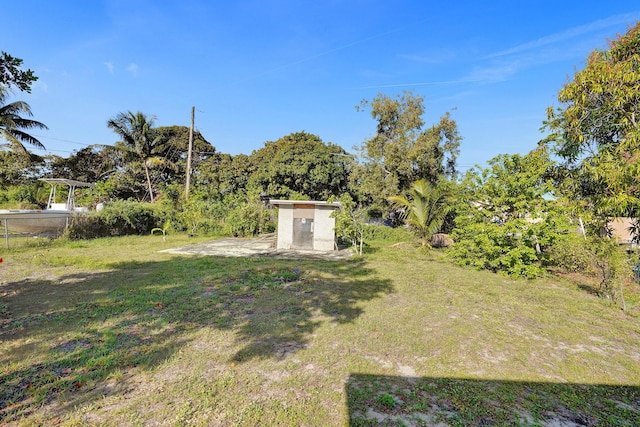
(264, 246)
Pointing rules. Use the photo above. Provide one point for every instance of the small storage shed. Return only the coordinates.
(306, 225)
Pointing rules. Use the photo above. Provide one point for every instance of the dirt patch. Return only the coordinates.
(72, 345)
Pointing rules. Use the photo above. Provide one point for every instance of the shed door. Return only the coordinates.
(302, 233)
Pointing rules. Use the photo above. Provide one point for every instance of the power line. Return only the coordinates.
(62, 140)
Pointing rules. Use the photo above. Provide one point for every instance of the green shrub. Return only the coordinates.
(234, 215)
(391, 234)
(25, 196)
(249, 219)
(501, 248)
(198, 216)
(119, 218)
(611, 265)
(386, 401)
(570, 254)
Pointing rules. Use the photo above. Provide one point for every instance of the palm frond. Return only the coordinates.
(12, 124)
(424, 208)
(25, 137)
(15, 109)
(158, 161)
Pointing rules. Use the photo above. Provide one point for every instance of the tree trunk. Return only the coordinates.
(146, 171)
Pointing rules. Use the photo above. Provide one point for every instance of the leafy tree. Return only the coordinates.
(175, 140)
(13, 124)
(12, 75)
(140, 141)
(424, 208)
(507, 222)
(223, 174)
(350, 222)
(17, 167)
(433, 155)
(596, 131)
(300, 165)
(90, 164)
(401, 152)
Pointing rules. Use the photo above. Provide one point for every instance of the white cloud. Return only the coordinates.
(494, 73)
(435, 57)
(109, 66)
(133, 68)
(569, 34)
(572, 43)
(40, 86)
(429, 83)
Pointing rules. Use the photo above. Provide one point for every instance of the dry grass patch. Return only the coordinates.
(130, 336)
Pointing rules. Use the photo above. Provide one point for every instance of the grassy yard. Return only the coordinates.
(112, 332)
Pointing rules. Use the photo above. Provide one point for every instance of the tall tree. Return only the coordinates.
(596, 130)
(176, 141)
(300, 165)
(90, 164)
(141, 141)
(223, 174)
(401, 152)
(12, 122)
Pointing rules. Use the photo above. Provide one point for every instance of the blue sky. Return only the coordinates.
(261, 69)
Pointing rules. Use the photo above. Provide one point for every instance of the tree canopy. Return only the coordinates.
(506, 218)
(300, 165)
(139, 140)
(13, 124)
(401, 152)
(596, 130)
(90, 164)
(11, 73)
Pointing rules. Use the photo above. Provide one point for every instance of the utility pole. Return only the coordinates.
(186, 191)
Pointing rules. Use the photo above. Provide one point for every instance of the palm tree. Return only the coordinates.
(12, 124)
(424, 209)
(140, 140)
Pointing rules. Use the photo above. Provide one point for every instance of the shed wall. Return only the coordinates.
(324, 235)
(305, 225)
(285, 227)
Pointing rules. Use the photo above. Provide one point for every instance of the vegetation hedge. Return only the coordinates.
(24, 196)
(119, 218)
(383, 232)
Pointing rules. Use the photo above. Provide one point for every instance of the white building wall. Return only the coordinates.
(285, 227)
(324, 234)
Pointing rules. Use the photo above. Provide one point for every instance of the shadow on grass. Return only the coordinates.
(590, 289)
(388, 400)
(82, 329)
